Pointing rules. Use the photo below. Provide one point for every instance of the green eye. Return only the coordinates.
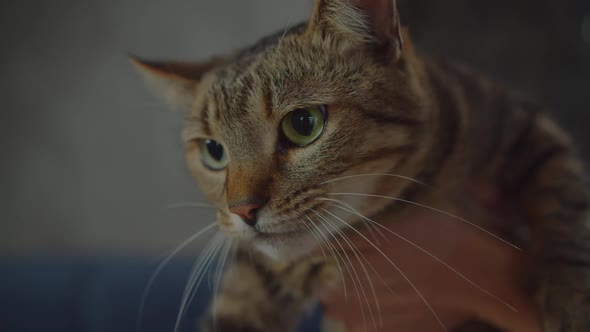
(213, 155)
(304, 125)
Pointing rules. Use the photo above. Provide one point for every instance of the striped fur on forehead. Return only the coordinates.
(242, 115)
(298, 71)
(291, 69)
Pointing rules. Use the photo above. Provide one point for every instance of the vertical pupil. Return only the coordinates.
(303, 122)
(215, 149)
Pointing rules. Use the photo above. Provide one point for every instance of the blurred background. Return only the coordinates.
(91, 160)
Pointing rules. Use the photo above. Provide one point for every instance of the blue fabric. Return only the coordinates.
(98, 295)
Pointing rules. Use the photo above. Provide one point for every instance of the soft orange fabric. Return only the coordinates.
(488, 262)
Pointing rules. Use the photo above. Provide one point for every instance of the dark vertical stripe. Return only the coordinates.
(267, 100)
(378, 154)
(246, 86)
(447, 132)
(520, 142)
(221, 98)
(254, 261)
(205, 118)
(471, 84)
(411, 192)
(536, 165)
(489, 111)
(310, 277)
(502, 110)
(392, 119)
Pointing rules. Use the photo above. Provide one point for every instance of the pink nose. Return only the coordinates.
(247, 212)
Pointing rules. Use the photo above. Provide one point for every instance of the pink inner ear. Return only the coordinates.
(381, 16)
(185, 70)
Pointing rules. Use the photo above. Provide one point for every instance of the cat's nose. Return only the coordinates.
(247, 212)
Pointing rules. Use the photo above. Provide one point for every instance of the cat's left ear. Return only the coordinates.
(372, 23)
(177, 81)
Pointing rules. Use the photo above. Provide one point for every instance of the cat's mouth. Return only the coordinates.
(278, 235)
(283, 245)
(268, 235)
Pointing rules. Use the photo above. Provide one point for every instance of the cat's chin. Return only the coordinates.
(284, 246)
(271, 241)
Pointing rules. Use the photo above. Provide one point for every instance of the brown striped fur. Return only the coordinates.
(260, 295)
(390, 110)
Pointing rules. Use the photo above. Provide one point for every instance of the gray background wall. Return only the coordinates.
(90, 159)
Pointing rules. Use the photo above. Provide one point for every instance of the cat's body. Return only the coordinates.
(386, 110)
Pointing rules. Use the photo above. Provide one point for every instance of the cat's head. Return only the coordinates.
(283, 135)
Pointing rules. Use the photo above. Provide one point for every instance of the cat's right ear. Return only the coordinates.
(176, 81)
(371, 24)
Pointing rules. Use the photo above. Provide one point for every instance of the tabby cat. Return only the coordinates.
(274, 130)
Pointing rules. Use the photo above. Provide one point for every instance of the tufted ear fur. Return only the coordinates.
(177, 81)
(372, 23)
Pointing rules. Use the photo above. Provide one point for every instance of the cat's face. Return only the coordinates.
(281, 137)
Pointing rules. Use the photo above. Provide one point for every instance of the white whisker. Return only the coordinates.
(433, 257)
(196, 276)
(376, 174)
(206, 269)
(329, 247)
(348, 268)
(356, 253)
(163, 264)
(366, 260)
(317, 240)
(401, 273)
(287, 27)
(221, 265)
(218, 275)
(436, 210)
(350, 206)
(360, 284)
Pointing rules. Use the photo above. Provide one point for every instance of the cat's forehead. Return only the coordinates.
(244, 101)
(237, 110)
(292, 74)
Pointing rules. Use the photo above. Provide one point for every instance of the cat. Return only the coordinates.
(274, 131)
